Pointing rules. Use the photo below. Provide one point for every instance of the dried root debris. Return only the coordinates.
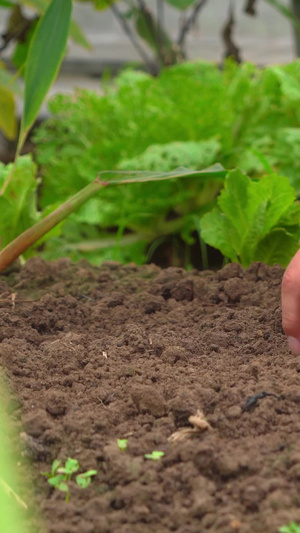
(200, 425)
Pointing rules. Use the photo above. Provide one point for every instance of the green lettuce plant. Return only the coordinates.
(191, 115)
(255, 220)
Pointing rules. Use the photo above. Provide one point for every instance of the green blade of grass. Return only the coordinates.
(13, 508)
(214, 172)
(45, 54)
(29, 237)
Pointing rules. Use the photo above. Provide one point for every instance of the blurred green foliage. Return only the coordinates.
(193, 115)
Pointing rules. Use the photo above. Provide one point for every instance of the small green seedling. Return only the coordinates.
(122, 443)
(60, 476)
(155, 455)
(291, 528)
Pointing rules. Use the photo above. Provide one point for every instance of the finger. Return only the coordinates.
(290, 299)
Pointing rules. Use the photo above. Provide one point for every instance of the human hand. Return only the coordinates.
(290, 300)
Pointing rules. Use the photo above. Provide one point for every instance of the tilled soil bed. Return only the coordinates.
(99, 354)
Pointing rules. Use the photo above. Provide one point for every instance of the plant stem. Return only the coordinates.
(132, 37)
(29, 237)
(157, 37)
(295, 7)
(160, 13)
(160, 23)
(250, 7)
(189, 22)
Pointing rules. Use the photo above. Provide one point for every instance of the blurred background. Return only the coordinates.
(264, 37)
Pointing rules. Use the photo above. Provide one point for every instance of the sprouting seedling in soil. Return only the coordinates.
(29, 237)
(155, 455)
(291, 528)
(122, 443)
(60, 476)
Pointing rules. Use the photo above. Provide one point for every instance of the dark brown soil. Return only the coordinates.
(98, 354)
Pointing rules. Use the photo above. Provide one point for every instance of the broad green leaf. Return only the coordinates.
(44, 58)
(6, 3)
(290, 220)
(278, 195)
(250, 222)
(217, 231)
(233, 200)
(75, 31)
(8, 123)
(181, 4)
(290, 86)
(19, 55)
(278, 246)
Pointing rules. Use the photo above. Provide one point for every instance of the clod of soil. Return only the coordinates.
(138, 353)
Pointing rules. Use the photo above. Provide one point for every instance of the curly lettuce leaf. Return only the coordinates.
(254, 219)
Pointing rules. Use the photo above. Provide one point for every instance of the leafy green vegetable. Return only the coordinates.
(252, 220)
(164, 157)
(18, 186)
(191, 115)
